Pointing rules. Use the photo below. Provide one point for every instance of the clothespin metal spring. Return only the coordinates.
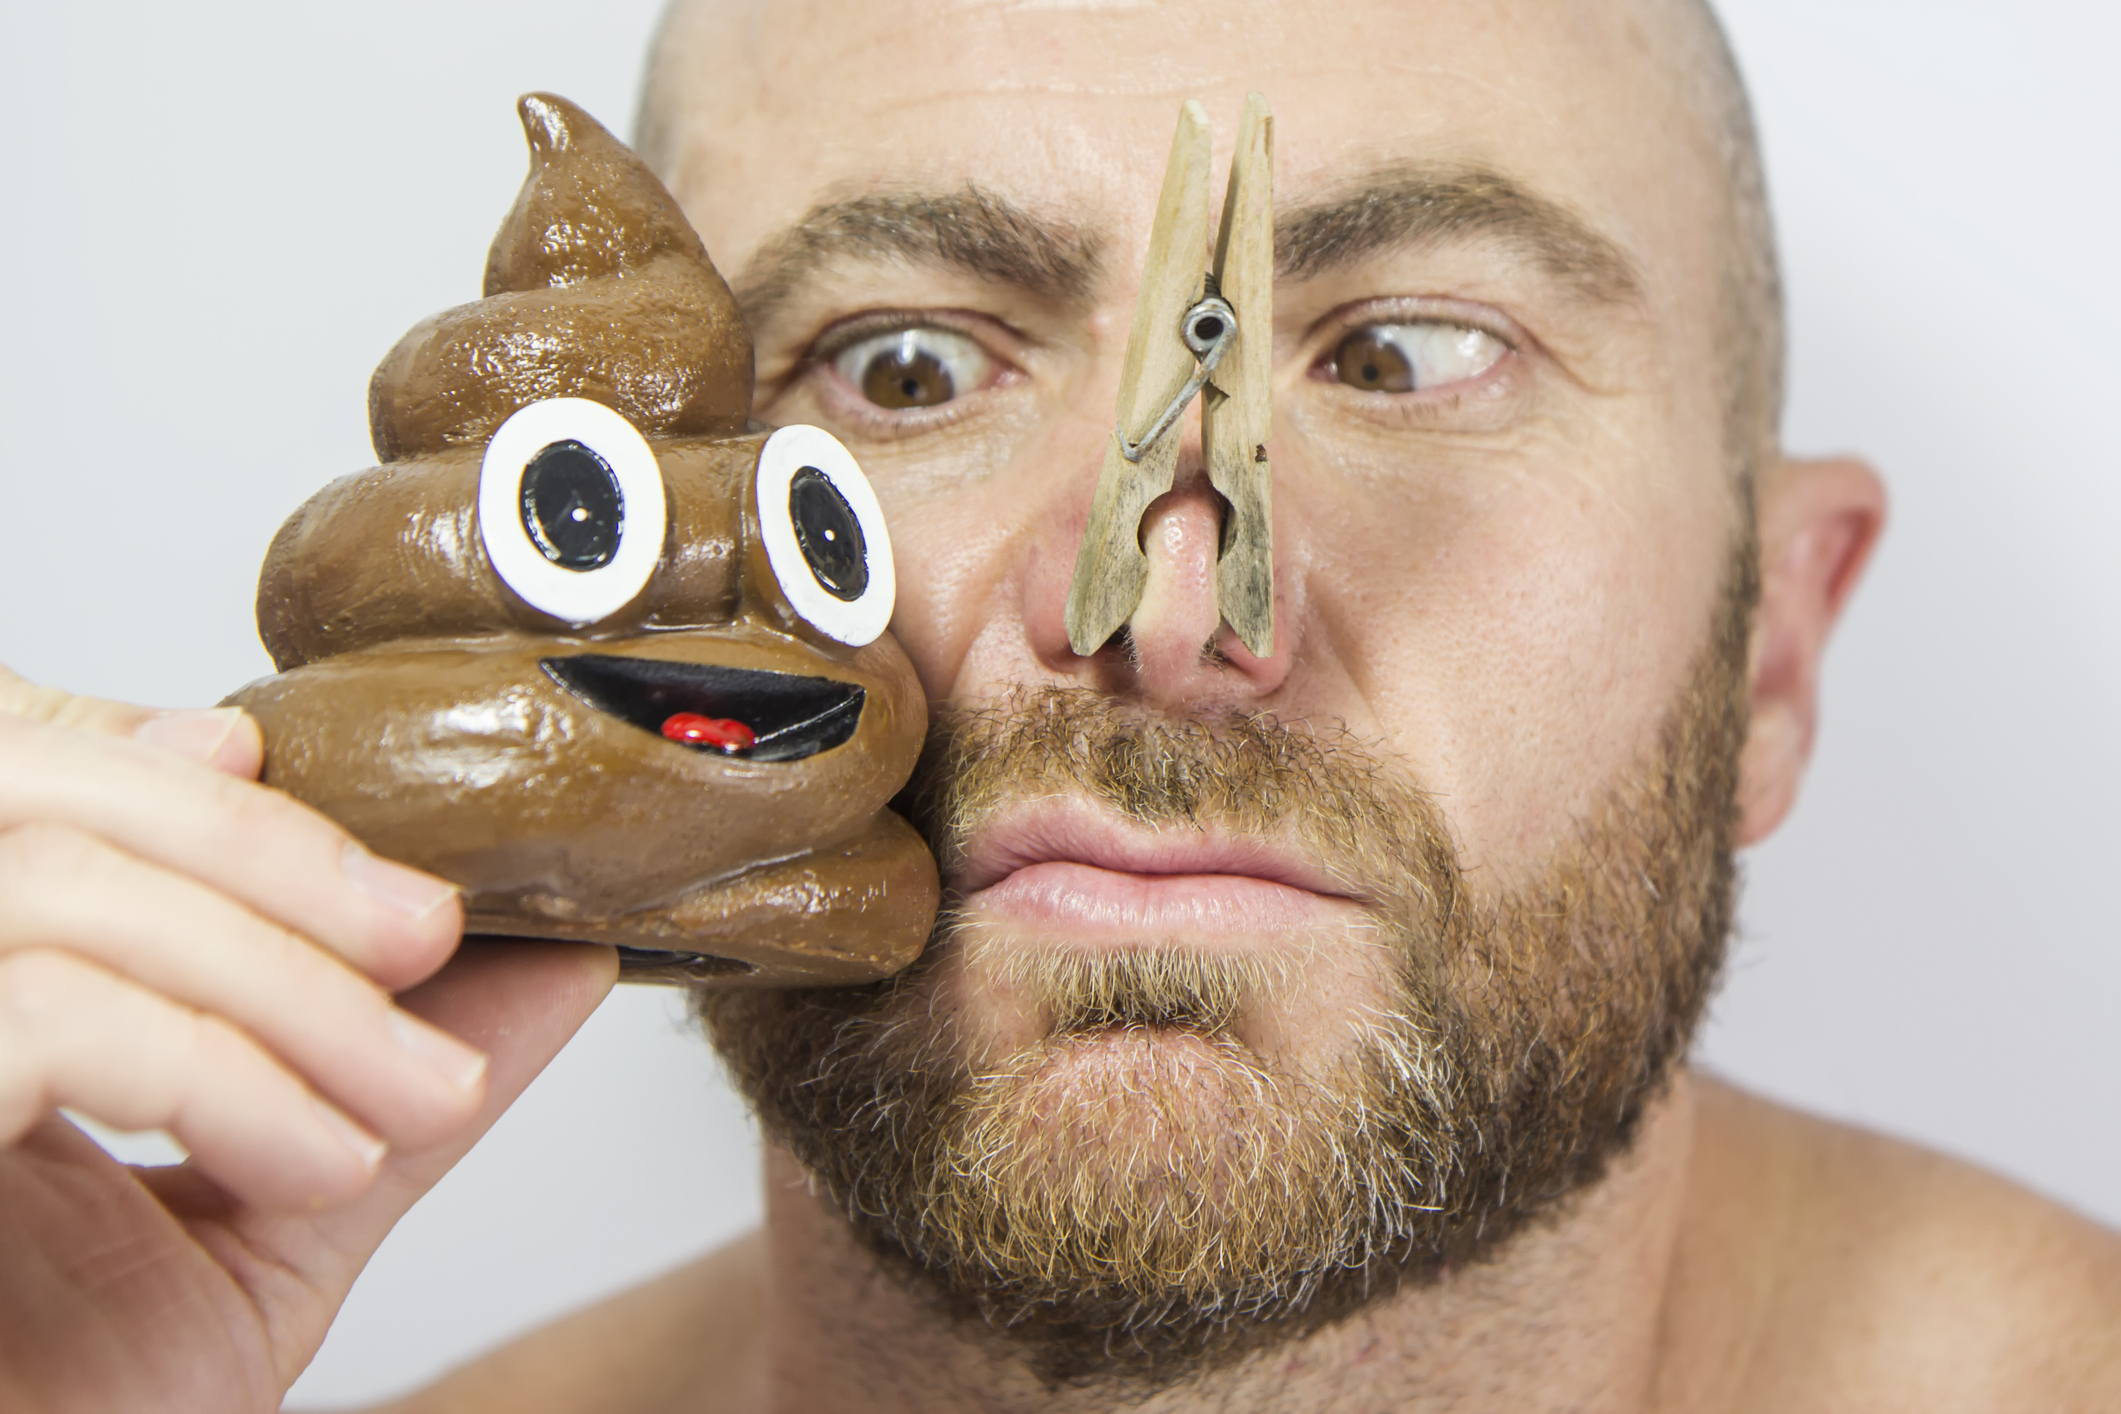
(1209, 329)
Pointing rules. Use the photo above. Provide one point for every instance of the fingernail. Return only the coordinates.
(195, 732)
(407, 890)
(369, 1148)
(459, 1064)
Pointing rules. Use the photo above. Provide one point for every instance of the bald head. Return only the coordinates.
(1750, 321)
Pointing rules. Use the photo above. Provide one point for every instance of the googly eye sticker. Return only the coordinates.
(571, 509)
(825, 535)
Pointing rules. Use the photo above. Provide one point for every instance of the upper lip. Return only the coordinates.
(1070, 829)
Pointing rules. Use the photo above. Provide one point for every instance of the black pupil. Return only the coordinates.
(1372, 361)
(572, 506)
(830, 536)
(906, 377)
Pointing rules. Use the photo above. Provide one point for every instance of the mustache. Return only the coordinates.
(1357, 810)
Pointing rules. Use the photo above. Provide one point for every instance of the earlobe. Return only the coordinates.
(1818, 522)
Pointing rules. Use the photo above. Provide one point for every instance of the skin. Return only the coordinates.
(1504, 585)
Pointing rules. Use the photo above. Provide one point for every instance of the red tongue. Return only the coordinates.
(692, 729)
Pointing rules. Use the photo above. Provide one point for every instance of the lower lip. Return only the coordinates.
(1085, 898)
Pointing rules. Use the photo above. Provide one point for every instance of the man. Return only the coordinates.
(1308, 1032)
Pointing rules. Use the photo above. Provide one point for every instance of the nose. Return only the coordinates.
(1187, 576)
(1172, 636)
(1177, 652)
(1180, 651)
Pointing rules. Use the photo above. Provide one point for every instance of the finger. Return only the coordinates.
(61, 888)
(518, 1001)
(271, 853)
(73, 1034)
(20, 697)
(226, 738)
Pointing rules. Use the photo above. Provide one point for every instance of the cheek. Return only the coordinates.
(985, 530)
(1517, 621)
(953, 558)
(971, 567)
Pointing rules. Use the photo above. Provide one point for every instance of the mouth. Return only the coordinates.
(1073, 831)
(1066, 866)
(785, 716)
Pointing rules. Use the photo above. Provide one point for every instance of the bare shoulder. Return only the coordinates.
(685, 1342)
(1854, 1271)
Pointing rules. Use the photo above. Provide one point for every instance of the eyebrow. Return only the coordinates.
(1402, 206)
(985, 234)
(971, 229)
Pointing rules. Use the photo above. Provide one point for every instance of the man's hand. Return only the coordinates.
(182, 948)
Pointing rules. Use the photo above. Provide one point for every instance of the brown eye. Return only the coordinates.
(907, 378)
(1408, 358)
(1369, 360)
(914, 368)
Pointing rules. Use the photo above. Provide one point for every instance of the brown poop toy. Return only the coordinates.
(591, 644)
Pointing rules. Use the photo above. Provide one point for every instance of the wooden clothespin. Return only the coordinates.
(1201, 324)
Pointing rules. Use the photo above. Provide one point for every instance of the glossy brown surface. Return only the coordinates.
(596, 287)
(416, 704)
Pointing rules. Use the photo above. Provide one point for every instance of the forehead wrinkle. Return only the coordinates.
(1402, 205)
(969, 229)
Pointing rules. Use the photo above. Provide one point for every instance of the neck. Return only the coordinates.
(1567, 1316)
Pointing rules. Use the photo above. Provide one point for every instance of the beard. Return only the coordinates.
(1144, 1191)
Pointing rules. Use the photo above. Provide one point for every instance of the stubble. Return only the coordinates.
(1140, 1194)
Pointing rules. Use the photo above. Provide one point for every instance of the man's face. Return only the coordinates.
(1483, 781)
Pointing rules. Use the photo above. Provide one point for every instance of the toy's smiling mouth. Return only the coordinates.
(786, 716)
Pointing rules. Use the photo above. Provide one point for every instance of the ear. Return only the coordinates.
(1818, 521)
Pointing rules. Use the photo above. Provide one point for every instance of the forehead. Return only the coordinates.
(764, 108)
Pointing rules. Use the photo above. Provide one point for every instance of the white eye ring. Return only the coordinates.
(618, 563)
(856, 611)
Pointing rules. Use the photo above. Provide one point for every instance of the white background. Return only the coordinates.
(217, 217)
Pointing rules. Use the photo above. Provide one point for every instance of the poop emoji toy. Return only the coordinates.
(589, 643)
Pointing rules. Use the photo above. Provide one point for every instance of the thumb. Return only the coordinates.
(226, 738)
(518, 1001)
